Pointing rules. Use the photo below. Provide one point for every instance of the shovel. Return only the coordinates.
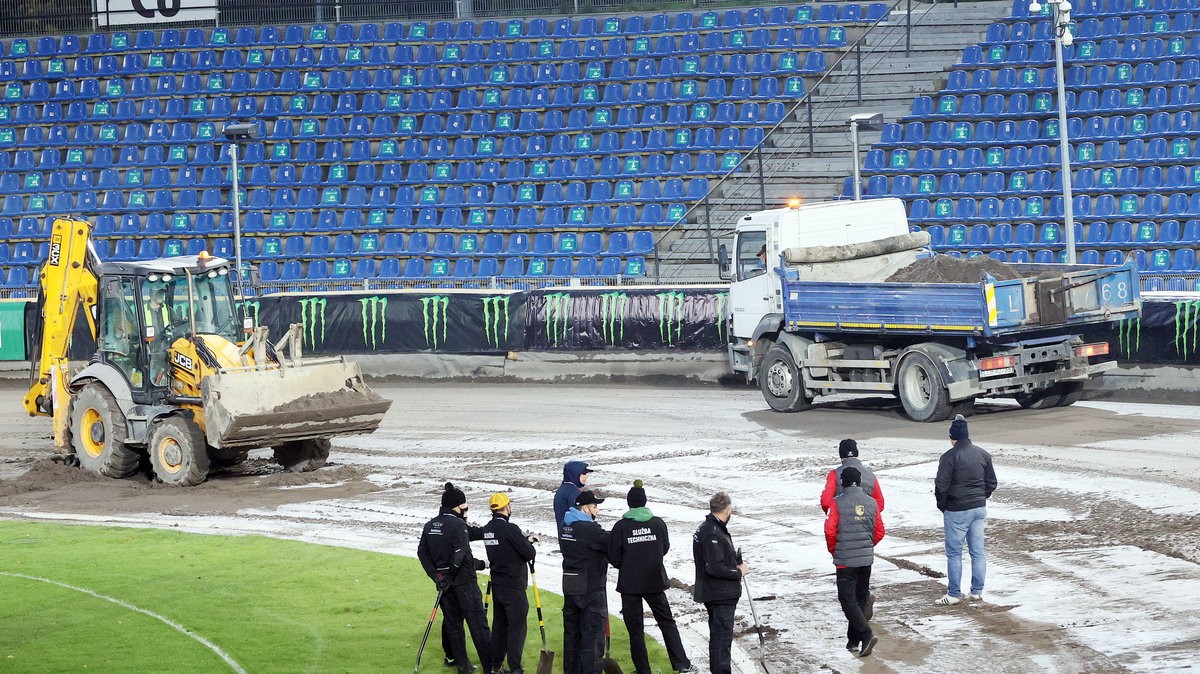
(546, 659)
(610, 665)
(432, 616)
(762, 641)
(487, 597)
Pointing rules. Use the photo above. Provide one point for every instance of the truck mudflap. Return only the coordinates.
(959, 390)
(255, 408)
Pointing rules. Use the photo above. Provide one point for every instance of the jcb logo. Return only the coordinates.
(183, 361)
(55, 251)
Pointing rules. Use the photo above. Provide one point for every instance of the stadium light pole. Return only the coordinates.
(1060, 18)
(863, 121)
(235, 134)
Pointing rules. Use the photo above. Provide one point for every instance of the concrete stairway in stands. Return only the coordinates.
(890, 80)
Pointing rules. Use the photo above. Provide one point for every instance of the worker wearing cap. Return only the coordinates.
(510, 553)
(584, 546)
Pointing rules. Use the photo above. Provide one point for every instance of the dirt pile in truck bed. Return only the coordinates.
(950, 269)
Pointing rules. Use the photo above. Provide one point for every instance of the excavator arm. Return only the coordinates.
(68, 282)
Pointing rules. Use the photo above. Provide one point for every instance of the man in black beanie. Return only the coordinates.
(965, 481)
(445, 554)
(848, 450)
(636, 546)
(853, 528)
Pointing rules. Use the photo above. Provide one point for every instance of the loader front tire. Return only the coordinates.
(302, 456)
(178, 452)
(98, 434)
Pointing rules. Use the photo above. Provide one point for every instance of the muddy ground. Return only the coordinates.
(1092, 535)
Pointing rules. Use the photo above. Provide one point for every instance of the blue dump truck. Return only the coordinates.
(816, 309)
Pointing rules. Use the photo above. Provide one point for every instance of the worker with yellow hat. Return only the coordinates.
(510, 552)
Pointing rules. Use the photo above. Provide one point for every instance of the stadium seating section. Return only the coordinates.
(426, 151)
(978, 165)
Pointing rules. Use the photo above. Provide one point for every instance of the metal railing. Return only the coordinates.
(816, 114)
(31, 18)
(474, 283)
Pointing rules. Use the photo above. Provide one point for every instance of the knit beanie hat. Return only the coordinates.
(636, 498)
(847, 448)
(958, 428)
(851, 476)
(453, 496)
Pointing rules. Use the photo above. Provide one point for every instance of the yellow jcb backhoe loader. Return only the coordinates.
(176, 375)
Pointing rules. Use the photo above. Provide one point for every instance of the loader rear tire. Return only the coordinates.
(302, 456)
(178, 452)
(97, 434)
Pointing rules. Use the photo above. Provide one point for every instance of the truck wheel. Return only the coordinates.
(178, 452)
(302, 456)
(781, 381)
(98, 434)
(919, 386)
(1072, 393)
(1041, 400)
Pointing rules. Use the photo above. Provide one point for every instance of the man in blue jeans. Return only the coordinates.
(965, 480)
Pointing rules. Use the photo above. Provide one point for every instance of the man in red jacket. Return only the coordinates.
(852, 529)
(848, 450)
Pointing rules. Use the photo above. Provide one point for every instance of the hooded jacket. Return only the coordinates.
(965, 478)
(584, 546)
(717, 575)
(636, 546)
(508, 551)
(445, 548)
(853, 528)
(564, 498)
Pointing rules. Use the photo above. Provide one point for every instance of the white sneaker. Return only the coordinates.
(947, 600)
(975, 597)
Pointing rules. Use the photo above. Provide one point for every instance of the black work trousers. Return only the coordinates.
(464, 603)
(583, 632)
(720, 635)
(853, 588)
(511, 610)
(631, 611)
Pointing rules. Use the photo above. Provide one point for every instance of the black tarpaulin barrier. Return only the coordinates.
(643, 317)
(1167, 333)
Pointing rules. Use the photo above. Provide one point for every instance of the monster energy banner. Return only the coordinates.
(454, 321)
(1167, 333)
(627, 318)
(397, 322)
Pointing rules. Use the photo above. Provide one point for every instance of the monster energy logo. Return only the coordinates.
(374, 312)
(670, 316)
(251, 310)
(493, 308)
(312, 315)
(612, 316)
(1129, 336)
(722, 316)
(1187, 324)
(433, 316)
(558, 308)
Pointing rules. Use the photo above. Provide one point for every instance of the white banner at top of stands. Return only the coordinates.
(126, 12)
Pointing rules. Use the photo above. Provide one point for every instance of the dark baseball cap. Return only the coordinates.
(587, 497)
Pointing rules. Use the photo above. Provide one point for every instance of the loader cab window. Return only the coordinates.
(209, 297)
(751, 255)
(120, 329)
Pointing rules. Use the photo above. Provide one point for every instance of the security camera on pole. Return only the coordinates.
(1060, 17)
(235, 134)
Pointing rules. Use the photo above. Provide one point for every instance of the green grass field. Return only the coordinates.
(271, 605)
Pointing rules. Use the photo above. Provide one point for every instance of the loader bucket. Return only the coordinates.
(260, 408)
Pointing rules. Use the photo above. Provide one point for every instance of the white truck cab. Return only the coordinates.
(762, 237)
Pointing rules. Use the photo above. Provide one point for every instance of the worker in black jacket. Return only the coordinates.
(719, 571)
(445, 554)
(584, 546)
(636, 546)
(965, 481)
(510, 553)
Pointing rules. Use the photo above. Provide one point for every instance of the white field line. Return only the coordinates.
(180, 628)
